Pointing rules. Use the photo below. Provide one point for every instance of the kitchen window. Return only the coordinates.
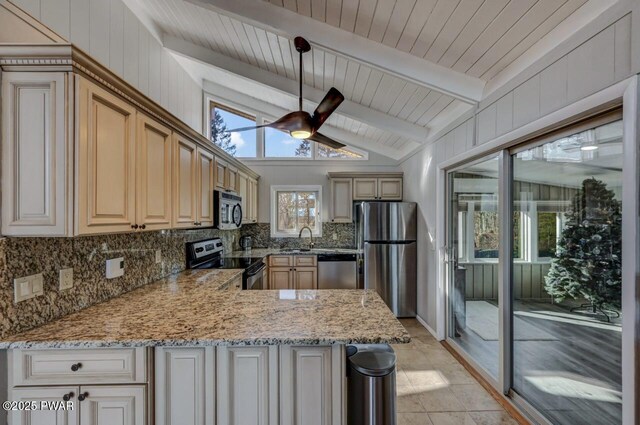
(278, 144)
(239, 144)
(293, 207)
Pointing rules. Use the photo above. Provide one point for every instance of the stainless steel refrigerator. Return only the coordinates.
(386, 240)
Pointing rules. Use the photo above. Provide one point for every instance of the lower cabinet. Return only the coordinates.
(45, 417)
(293, 272)
(251, 385)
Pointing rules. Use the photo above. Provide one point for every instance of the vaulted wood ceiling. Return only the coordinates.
(391, 107)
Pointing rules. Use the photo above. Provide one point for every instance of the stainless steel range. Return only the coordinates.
(209, 254)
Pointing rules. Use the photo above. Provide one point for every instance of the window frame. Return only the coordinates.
(273, 214)
(233, 110)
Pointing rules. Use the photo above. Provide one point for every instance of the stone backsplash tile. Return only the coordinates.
(261, 236)
(87, 255)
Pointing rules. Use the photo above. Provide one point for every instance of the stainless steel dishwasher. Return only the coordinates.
(337, 271)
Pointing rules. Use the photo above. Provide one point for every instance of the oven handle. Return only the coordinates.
(264, 266)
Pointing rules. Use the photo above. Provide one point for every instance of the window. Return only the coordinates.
(325, 152)
(239, 144)
(294, 207)
(278, 144)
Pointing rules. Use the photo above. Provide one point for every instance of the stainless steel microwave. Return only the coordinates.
(227, 208)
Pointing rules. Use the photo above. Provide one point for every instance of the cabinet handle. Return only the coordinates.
(68, 396)
(134, 226)
(144, 226)
(76, 366)
(82, 396)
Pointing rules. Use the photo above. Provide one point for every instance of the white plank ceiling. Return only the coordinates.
(477, 37)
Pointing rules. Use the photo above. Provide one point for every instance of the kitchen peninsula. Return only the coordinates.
(264, 356)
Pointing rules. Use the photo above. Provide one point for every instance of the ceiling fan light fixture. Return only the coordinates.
(300, 134)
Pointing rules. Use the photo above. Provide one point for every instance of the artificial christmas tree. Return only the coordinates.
(587, 264)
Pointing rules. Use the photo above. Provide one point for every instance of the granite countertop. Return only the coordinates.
(197, 308)
(265, 252)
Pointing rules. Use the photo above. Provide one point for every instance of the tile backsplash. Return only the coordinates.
(87, 256)
(261, 236)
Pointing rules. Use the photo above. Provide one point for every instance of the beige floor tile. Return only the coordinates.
(455, 373)
(413, 419)
(451, 418)
(428, 379)
(402, 380)
(492, 418)
(408, 400)
(475, 397)
(439, 400)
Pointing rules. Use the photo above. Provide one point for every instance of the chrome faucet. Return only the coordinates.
(311, 244)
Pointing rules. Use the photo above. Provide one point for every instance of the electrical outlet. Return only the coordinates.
(158, 256)
(334, 236)
(115, 267)
(28, 287)
(66, 279)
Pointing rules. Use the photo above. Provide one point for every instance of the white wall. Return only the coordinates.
(307, 173)
(113, 35)
(590, 61)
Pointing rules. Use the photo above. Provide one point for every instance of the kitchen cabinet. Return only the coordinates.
(221, 174)
(185, 196)
(45, 417)
(231, 179)
(204, 187)
(185, 390)
(293, 272)
(341, 208)
(112, 405)
(253, 200)
(247, 385)
(154, 171)
(106, 163)
(248, 190)
(365, 188)
(35, 124)
(389, 188)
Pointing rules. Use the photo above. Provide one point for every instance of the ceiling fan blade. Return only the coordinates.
(330, 103)
(322, 139)
(236, 130)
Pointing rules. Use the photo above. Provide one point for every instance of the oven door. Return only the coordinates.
(254, 279)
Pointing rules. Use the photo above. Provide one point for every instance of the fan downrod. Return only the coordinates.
(301, 44)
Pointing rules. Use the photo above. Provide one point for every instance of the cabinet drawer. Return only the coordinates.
(305, 260)
(95, 366)
(280, 261)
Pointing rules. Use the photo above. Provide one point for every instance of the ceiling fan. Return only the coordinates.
(300, 124)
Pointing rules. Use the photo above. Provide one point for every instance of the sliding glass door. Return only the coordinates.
(558, 352)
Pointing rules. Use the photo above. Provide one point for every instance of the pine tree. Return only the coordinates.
(304, 149)
(587, 263)
(220, 134)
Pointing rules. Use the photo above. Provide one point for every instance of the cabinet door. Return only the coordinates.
(280, 278)
(253, 194)
(365, 188)
(184, 182)
(305, 277)
(390, 188)
(105, 162)
(221, 174)
(153, 194)
(34, 198)
(247, 390)
(113, 405)
(243, 191)
(232, 179)
(311, 385)
(185, 383)
(206, 170)
(341, 200)
(45, 417)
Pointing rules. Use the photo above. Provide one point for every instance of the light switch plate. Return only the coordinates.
(115, 267)
(66, 279)
(158, 256)
(28, 287)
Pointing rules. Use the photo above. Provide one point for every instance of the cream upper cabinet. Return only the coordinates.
(253, 195)
(243, 191)
(112, 405)
(341, 200)
(153, 172)
(35, 132)
(221, 174)
(390, 188)
(185, 170)
(365, 188)
(232, 179)
(205, 186)
(106, 159)
(45, 417)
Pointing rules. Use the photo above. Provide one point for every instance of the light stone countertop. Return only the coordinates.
(196, 308)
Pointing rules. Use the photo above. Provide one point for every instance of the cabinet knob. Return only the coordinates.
(144, 226)
(83, 396)
(75, 367)
(134, 226)
(68, 396)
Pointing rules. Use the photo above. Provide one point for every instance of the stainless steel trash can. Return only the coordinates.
(371, 385)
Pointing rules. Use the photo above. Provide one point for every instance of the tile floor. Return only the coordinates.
(434, 389)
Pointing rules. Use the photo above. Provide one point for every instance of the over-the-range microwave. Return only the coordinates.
(227, 209)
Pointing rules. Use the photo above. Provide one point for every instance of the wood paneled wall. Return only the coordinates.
(481, 281)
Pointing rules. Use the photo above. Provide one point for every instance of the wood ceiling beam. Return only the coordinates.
(344, 43)
(348, 108)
